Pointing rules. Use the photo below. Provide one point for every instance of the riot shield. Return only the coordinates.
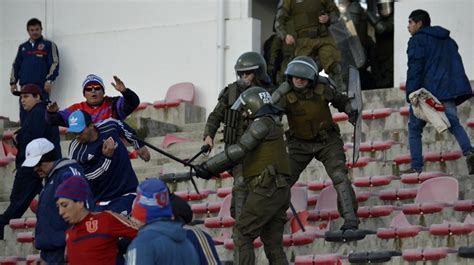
(347, 41)
(355, 95)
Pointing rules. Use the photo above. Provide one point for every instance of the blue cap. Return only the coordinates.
(78, 121)
(152, 201)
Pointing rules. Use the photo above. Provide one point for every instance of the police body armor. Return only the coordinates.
(308, 113)
(234, 125)
(306, 23)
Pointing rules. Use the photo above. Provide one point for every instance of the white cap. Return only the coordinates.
(35, 150)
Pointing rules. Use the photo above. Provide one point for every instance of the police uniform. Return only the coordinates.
(313, 134)
(265, 170)
(312, 38)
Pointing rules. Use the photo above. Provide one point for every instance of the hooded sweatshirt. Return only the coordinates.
(162, 242)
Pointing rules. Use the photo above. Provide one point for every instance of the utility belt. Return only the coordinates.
(266, 180)
(322, 135)
(312, 33)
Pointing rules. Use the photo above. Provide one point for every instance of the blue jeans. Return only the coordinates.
(415, 130)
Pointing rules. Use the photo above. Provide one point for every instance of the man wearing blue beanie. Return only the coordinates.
(161, 240)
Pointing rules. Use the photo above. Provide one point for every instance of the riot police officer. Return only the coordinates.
(262, 152)
(312, 132)
(251, 70)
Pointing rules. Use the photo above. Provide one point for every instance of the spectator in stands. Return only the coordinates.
(93, 236)
(262, 152)
(98, 149)
(305, 97)
(36, 62)
(434, 63)
(202, 241)
(161, 240)
(27, 184)
(100, 107)
(251, 70)
(50, 227)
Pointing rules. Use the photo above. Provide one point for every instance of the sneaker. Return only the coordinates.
(470, 163)
(410, 171)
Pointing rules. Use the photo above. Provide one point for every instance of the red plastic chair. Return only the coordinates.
(340, 116)
(397, 194)
(173, 139)
(433, 195)
(33, 259)
(375, 211)
(7, 135)
(399, 228)
(470, 123)
(297, 239)
(404, 111)
(402, 86)
(464, 206)
(402, 159)
(313, 199)
(374, 181)
(34, 205)
(376, 113)
(11, 260)
(143, 105)
(319, 184)
(326, 207)
(373, 146)
(206, 208)
(323, 259)
(25, 237)
(450, 228)
(229, 243)
(415, 178)
(23, 223)
(223, 192)
(361, 162)
(426, 254)
(450, 156)
(177, 93)
(223, 218)
(193, 195)
(4, 159)
(10, 150)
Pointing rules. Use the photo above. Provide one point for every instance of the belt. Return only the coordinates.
(320, 137)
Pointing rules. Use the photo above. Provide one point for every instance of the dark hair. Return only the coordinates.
(421, 15)
(33, 22)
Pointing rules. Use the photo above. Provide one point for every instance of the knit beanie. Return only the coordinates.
(75, 188)
(152, 201)
(93, 79)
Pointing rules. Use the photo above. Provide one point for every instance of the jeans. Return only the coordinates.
(415, 130)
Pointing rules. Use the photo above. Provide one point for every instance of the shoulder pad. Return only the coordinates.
(260, 128)
(327, 81)
(226, 89)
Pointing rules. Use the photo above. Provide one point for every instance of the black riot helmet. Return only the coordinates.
(253, 61)
(302, 67)
(252, 100)
(385, 7)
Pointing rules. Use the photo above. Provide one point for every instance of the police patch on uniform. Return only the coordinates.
(265, 97)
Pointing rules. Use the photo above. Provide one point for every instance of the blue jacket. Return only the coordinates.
(435, 64)
(34, 126)
(50, 227)
(204, 245)
(109, 178)
(35, 63)
(162, 242)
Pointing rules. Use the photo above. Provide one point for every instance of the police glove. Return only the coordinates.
(353, 115)
(202, 171)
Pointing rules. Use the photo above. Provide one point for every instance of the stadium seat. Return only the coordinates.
(339, 116)
(373, 146)
(323, 259)
(372, 257)
(11, 260)
(375, 211)
(364, 196)
(229, 243)
(177, 93)
(23, 223)
(25, 237)
(376, 113)
(417, 178)
(34, 205)
(425, 254)
(297, 239)
(402, 86)
(470, 123)
(397, 194)
(404, 111)
(4, 159)
(373, 181)
(319, 184)
(326, 207)
(450, 228)
(33, 259)
(206, 207)
(466, 252)
(361, 162)
(313, 199)
(223, 192)
(7, 135)
(433, 195)
(223, 218)
(452, 155)
(143, 105)
(193, 195)
(399, 228)
(10, 150)
(464, 205)
(402, 159)
(170, 139)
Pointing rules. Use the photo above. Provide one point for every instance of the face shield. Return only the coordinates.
(385, 7)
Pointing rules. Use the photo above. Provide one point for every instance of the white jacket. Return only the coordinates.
(428, 108)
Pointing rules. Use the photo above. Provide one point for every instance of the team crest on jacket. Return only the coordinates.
(41, 46)
(92, 226)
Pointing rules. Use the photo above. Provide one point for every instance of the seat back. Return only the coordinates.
(225, 207)
(181, 91)
(442, 189)
(299, 198)
(327, 199)
(400, 220)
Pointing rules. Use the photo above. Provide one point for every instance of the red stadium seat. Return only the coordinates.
(34, 205)
(177, 93)
(33, 259)
(426, 254)
(432, 157)
(402, 86)
(4, 159)
(340, 116)
(323, 259)
(11, 260)
(450, 156)
(470, 123)
(223, 219)
(22, 223)
(363, 196)
(172, 139)
(193, 195)
(25, 237)
(225, 175)
(401, 159)
(375, 211)
(399, 228)
(450, 228)
(10, 150)
(433, 195)
(8, 135)
(326, 207)
(376, 113)
(373, 181)
(464, 206)
(297, 239)
(319, 184)
(361, 162)
(313, 199)
(416, 178)
(223, 192)
(375, 146)
(397, 194)
(404, 111)
(229, 243)
(143, 105)
(206, 207)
